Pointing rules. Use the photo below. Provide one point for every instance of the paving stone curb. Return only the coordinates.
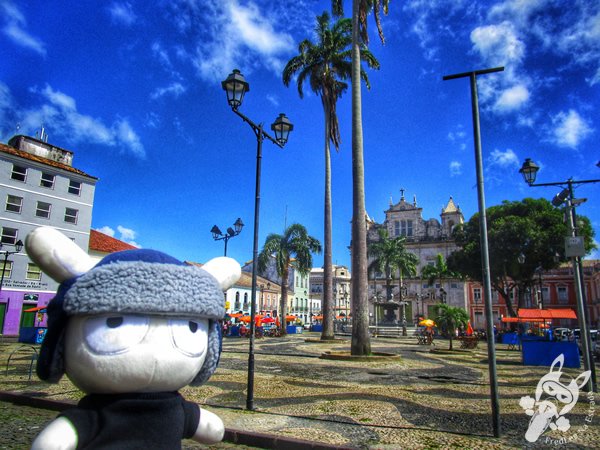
(241, 437)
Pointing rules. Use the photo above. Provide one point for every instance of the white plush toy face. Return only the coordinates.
(118, 353)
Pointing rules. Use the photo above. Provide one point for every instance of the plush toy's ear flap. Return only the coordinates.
(57, 255)
(226, 270)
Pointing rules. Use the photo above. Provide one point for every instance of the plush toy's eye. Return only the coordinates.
(114, 334)
(190, 336)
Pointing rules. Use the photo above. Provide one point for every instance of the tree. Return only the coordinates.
(326, 65)
(361, 342)
(292, 249)
(522, 236)
(449, 318)
(391, 256)
(437, 271)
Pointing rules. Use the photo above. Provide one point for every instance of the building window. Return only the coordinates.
(406, 228)
(237, 301)
(396, 228)
(9, 236)
(14, 204)
(245, 300)
(33, 272)
(7, 268)
(19, 173)
(563, 294)
(43, 210)
(71, 215)
(74, 187)
(477, 295)
(47, 180)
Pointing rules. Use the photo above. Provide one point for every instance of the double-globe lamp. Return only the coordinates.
(236, 87)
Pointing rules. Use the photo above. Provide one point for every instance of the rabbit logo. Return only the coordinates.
(553, 400)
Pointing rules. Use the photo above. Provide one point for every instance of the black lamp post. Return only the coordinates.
(236, 87)
(18, 247)
(218, 235)
(483, 240)
(573, 249)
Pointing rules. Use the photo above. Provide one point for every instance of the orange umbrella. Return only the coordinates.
(268, 320)
(289, 318)
(469, 329)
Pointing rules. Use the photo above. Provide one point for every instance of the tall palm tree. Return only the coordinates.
(361, 342)
(326, 64)
(293, 248)
(449, 318)
(390, 256)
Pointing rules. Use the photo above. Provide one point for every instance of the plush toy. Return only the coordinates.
(130, 332)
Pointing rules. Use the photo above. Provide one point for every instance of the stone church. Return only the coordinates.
(426, 238)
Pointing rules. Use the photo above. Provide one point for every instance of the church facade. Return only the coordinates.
(413, 297)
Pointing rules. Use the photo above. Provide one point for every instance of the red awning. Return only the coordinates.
(541, 315)
(548, 314)
(37, 308)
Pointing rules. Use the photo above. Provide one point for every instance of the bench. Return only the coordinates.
(468, 341)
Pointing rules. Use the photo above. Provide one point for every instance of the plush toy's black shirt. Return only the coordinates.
(134, 421)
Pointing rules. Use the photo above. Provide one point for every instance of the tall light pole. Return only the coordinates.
(236, 86)
(574, 249)
(485, 257)
(218, 235)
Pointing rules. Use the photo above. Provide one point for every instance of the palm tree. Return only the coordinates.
(326, 65)
(361, 342)
(292, 249)
(391, 256)
(437, 271)
(449, 318)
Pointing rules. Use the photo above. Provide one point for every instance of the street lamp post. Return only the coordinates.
(236, 87)
(18, 247)
(529, 171)
(485, 257)
(231, 232)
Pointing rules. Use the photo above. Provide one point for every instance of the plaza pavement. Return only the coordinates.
(422, 400)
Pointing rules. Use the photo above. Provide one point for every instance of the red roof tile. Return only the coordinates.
(101, 242)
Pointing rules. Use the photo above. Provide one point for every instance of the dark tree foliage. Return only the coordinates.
(530, 228)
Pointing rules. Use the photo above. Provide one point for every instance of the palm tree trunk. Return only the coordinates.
(283, 302)
(361, 341)
(328, 311)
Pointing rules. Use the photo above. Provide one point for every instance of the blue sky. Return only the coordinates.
(133, 88)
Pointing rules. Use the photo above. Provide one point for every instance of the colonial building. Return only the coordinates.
(413, 297)
(341, 291)
(39, 186)
(554, 289)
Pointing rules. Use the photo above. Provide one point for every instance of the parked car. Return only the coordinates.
(561, 334)
(593, 337)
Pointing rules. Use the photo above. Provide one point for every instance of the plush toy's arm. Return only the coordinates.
(210, 429)
(59, 434)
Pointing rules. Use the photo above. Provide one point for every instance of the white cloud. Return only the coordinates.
(512, 98)
(106, 230)
(505, 160)
(122, 13)
(455, 168)
(569, 129)
(126, 233)
(59, 113)
(174, 89)
(240, 36)
(498, 44)
(15, 28)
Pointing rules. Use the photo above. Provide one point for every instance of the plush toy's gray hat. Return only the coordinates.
(128, 282)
